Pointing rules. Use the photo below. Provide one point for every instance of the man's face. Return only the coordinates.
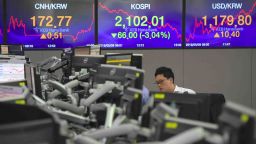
(164, 84)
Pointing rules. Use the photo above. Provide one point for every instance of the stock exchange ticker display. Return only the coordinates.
(50, 24)
(1, 22)
(129, 24)
(140, 24)
(218, 23)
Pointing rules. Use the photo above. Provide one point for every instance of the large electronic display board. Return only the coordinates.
(139, 24)
(50, 23)
(1, 23)
(220, 24)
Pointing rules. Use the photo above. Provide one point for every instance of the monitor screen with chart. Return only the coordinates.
(11, 72)
(220, 24)
(50, 24)
(1, 23)
(143, 24)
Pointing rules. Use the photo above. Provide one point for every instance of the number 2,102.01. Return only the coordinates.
(140, 21)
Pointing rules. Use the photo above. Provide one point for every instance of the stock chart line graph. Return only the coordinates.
(127, 20)
(143, 24)
(114, 11)
(1, 22)
(11, 71)
(54, 28)
(14, 24)
(121, 11)
(221, 28)
(1, 33)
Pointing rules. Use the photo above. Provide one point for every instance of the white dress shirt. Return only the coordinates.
(182, 90)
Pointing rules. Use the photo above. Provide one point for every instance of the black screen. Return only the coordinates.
(88, 61)
(191, 106)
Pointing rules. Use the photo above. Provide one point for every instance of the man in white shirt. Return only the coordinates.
(164, 78)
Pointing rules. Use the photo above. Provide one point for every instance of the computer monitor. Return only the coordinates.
(127, 79)
(2, 28)
(95, 50)
(87, 61)
(166, 126)
(11, 71)
(19, 83)
(33, 79)
(50, 24)
(217, 100)
(12, 50)
(136, 59)
(237, 123)
(122, 59)
(4, 49)
(82, 51)
(123, 75)
(28, 124)
(131, 102)
(14, 58)
(28, 76)
(191, 106)
(10, 93)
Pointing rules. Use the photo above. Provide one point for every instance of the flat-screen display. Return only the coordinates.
(50, 24)
(220, 24)
(81, 51)
(87, 61)
(12, 50)
(139, 24)
(119, 59)
(11, 72)
(9, 93)
(1, 22)
(124, 75)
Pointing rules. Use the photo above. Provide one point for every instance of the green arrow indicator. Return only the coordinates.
(113, 35)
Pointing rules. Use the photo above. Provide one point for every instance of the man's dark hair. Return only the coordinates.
(167, 72)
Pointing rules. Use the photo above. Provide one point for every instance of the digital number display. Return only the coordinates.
(50, 24)
(1, 22)
(216, 24)
(140, 24)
